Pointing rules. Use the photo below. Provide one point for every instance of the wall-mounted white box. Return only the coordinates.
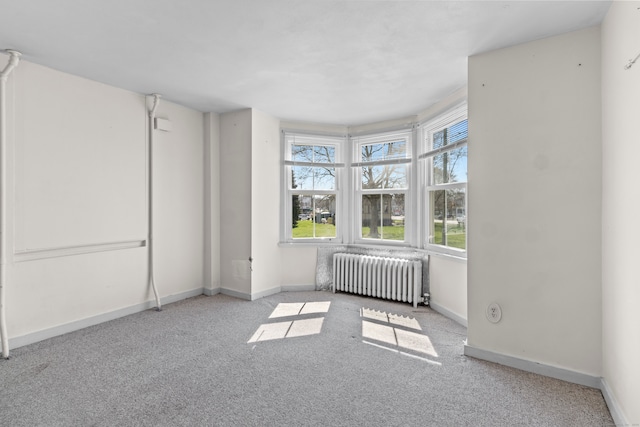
(162, 124)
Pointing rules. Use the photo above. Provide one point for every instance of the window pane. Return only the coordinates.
(384, 151)
(302, 177)
(324, 154)
(439, 139)
(316, 216)
(383, 216)
(302, 153)
(324, 179)
(312, 178)
(388, 176)
(458, 132)
(450, 135)
(447, 209)
(313, 153)
(305, 206)
(450, 166)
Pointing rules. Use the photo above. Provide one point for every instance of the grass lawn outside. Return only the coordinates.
(387, 232)
(304, 230)
(456, 234)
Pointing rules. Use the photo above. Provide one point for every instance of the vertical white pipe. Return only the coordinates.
(152, 116)
(14, 58)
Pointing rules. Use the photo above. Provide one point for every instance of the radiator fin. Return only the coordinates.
(381, 277)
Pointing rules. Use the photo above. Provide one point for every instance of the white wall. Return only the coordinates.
(265, 202)
(448, 286)
(77, 203)
(298, 265)
(178, 200)
(250, 170)
(620, 204)
(235, 203)
(212, 202)
(534, 201)
(70, 135)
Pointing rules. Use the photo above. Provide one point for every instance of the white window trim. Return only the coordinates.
(348, 184)
(427, 129)
(312, 138)
(357, 191)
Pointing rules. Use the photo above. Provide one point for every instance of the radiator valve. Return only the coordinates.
(425, 298)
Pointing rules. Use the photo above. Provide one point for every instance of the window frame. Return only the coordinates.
(425, 159)
(357, 191)
(348, 185)
(290, 138)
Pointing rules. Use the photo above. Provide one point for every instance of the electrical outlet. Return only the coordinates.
(494, 312)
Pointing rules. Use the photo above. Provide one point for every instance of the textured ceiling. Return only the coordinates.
(324, 61)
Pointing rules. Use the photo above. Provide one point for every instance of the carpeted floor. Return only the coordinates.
(292, 359)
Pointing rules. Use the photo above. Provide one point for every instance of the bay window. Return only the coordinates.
(403, 187)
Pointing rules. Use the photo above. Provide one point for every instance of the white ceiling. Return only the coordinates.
(323, 61)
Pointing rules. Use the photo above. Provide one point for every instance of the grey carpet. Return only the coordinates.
(192, 365)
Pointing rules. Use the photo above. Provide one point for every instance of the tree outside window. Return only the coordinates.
(312, 186)
(384, 184)
(447, 186)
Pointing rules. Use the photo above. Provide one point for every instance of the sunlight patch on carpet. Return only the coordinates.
(293, 328)
(396, 319)
(297, 308)
(393, 331)
(280, 330)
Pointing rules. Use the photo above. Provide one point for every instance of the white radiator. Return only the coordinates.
(381, 277)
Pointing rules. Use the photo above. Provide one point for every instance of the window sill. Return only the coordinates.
(446, 253)
(309, 243)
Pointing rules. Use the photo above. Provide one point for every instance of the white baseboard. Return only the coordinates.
(286, 288)
(210, 292)
(617, 414)
(235, 294)
(448, 313)
(266, 293)
(534, 367)
(298, 288)
(614, 408)
(261, 294)
(55, 331)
